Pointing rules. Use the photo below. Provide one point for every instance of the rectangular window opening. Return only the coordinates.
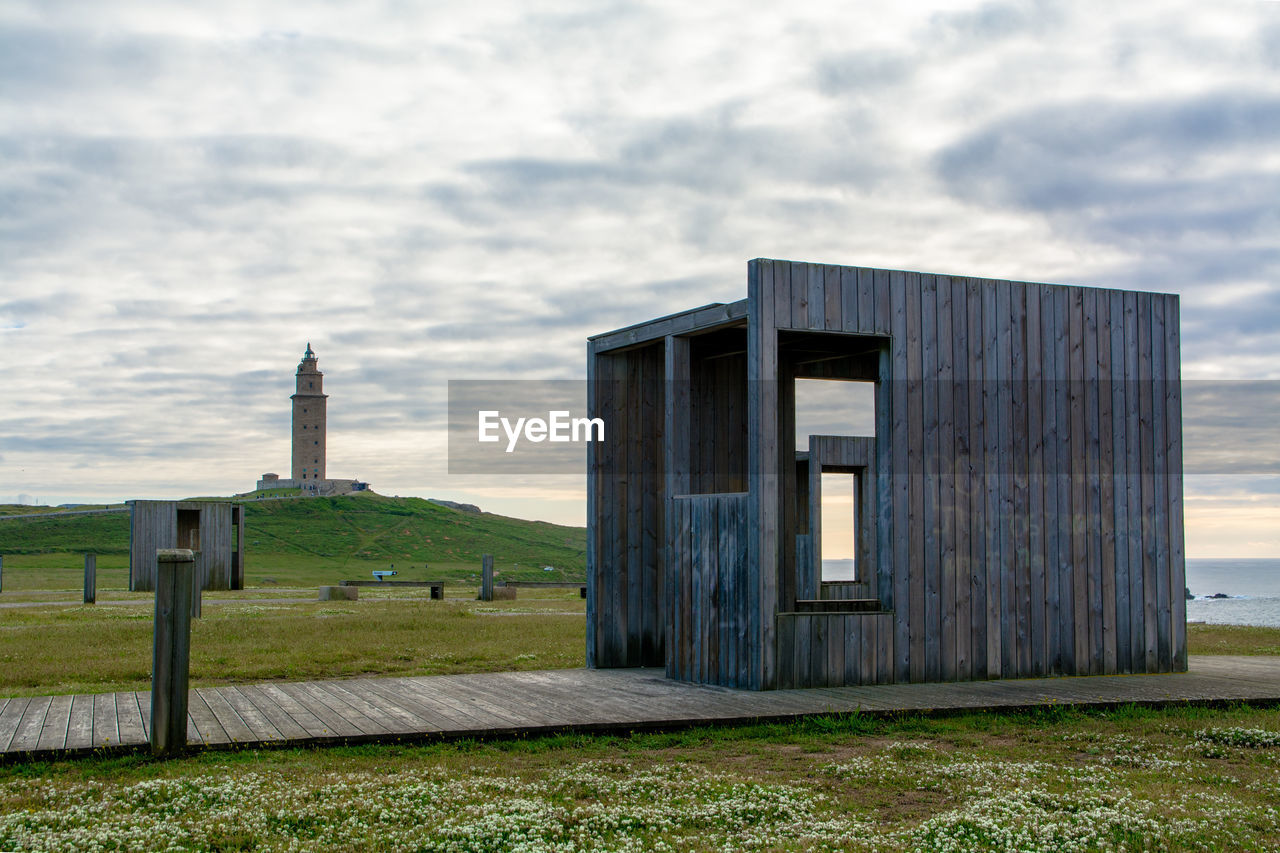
(839, 525)
(189, 529)
(834, 407)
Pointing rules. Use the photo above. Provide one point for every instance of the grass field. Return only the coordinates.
(312, 541)
(1057, 780)
(99, 648)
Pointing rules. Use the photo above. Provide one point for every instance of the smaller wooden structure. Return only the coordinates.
(213, 529)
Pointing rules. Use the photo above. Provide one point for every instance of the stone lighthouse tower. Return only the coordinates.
(309, 421)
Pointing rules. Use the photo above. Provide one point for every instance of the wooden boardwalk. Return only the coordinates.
(584, 700)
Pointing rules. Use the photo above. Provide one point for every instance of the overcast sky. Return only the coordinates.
(190, 193)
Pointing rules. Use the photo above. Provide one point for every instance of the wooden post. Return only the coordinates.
(90, 578)
(486, 577)
(171, 652)
(197, 587)
(1, 572)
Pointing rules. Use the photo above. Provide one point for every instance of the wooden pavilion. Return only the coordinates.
(1019, 504)
(213, 529)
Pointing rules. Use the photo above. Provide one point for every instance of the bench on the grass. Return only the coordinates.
(580, 587)
(437, 587)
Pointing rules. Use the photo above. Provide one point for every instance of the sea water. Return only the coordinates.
(1253, 587)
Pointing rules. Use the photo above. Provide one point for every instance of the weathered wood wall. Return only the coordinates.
(1030, 492)
(834, 649)
(709, 599)
(717, 423)
(1027, 491)
(153, 526)
(625, 498)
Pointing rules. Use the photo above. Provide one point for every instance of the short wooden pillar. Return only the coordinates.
(90, 578)
(171, 650)
(197, 588)
(486, 577)
(1, 572)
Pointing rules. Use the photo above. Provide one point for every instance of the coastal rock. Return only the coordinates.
(455, 505)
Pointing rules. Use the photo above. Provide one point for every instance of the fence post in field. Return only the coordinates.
(1, 572)
(90, 578)
(486, 577)
(197, 587)
(171, 652)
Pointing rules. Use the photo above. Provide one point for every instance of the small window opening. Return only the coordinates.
(834, 407)
(839, 526)
(189, 529)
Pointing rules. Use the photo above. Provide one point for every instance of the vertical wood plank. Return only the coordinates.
(1066, 650)
(833, 675)
(1004, 480)
(1160, 481)
(1150, 585)
(764, 467)
(833, 298)
(1093, 491)
(786, 651)
(1133, 478)
(853, 644)
(963, 562)
(1119, 482)
(899, 471)
(1037, 604)
(1173, 438)
(1020, 464)
(946, 506)
(800, 296)
(932, 513)
(884, 478)
(914, 529)
(849, 298)
(977, 481)
(1106, 483)
(991, 327)
(595, 508)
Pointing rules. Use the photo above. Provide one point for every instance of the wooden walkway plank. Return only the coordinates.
(553, 708)
(353, 723)
(207, 725)
(10, 719)
(389, 715)
(620, 692)
(449, 707)
(27, 737)
(53, 734)
(258, 722)
(315, 727)
(106, 730)
(337, 724)
(599, 706)
(363, 714)
(474, 701)
(144, 711)
(129, 719)
(80, 722)
(282, 720)
(236, 729)
(433, 721)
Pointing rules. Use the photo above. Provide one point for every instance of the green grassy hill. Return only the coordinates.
(326, 538)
